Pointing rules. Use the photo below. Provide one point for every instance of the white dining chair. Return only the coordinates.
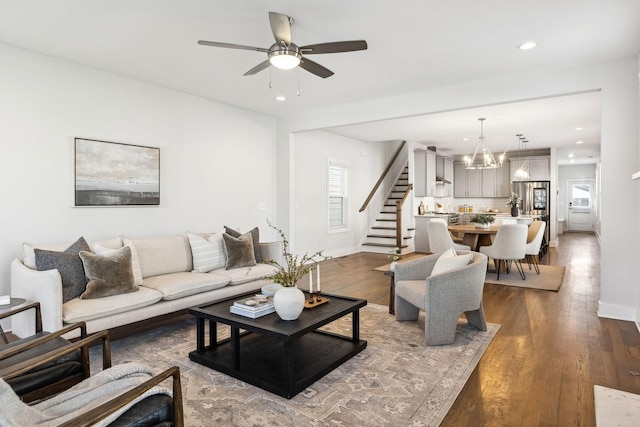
(508, 246)
(440, 239)
(534, 242)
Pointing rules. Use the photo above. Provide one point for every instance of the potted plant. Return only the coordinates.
(289, 301)
(514, 202)
(482, 220)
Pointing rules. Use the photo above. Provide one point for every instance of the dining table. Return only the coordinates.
(473, 236)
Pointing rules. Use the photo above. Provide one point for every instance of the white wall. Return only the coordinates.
(620, 156)
(217, 162)
(311, 152)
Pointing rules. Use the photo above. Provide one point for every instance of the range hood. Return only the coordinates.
(439, 179)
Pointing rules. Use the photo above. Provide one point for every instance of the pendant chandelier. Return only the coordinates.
(522, 173)
(483, 157)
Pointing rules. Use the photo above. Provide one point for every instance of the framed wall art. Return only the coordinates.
(115, 174)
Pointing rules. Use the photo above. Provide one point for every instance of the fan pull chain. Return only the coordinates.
(298, 72)
(270, 85)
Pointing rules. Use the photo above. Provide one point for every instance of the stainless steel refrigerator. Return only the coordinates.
(536, 201)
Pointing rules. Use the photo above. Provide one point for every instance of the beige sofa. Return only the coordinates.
(169, 283)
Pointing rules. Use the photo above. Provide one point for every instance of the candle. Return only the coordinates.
(310, 281)
(318, 276)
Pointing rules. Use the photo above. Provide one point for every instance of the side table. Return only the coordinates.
(15, 302)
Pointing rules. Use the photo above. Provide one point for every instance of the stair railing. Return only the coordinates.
(399, 204)
(383, 176)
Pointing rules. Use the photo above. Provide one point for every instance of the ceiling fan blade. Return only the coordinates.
(231, 46)
(334, 47)
(280, 27)
(315, 68)
(261, 66)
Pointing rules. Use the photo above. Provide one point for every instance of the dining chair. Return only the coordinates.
(534, 243)
(440, 239)
(508, 246)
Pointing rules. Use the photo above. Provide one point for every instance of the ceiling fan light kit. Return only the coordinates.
(285, 55)
(486, 159)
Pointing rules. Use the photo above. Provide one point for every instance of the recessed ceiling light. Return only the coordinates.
(465, 139)
(579, 142)
(527, 45)
(281, 98)
(570, 154)
(578, 128)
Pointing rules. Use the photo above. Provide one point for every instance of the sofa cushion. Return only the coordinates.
(162, 255)
(207, 250)
(68, 264)
(247, 274)
(109, 273)
(79, 310)
(239, 251)
(182, 284)
(255, 237)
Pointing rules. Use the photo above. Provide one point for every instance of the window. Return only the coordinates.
(338, 202)
(581, 196)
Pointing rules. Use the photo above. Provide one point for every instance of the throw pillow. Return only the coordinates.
(450, 260)
(68, 264)
(239, 251)
(135, 263)
(110, 273)
(255, 237)
(207, 251)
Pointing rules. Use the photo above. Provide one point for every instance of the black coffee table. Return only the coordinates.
(281, 356)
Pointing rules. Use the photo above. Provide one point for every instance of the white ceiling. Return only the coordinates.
(413, 46)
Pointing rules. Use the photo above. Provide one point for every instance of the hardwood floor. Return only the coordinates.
(551, 348)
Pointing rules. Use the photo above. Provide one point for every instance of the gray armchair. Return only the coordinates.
(443, 297)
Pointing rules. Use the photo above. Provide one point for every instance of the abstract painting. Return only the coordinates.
(115, 174)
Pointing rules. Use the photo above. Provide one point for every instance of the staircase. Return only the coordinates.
(382, 235)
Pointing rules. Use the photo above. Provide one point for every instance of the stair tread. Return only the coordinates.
(384, 236)
(384, 245)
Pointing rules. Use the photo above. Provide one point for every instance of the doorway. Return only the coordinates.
(581, 204)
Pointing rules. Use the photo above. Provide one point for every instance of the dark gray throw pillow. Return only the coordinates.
(68, 264)
(109, 273)
(239, 251)
(255, 237)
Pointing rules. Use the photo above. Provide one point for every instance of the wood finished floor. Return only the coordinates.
(551, 349)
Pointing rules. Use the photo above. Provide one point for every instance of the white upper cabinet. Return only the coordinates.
(496, 182)
(424, 173)
(466, 182)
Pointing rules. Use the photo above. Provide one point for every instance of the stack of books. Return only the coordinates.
(253, 307)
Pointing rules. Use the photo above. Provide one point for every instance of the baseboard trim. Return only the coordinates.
(617, 312)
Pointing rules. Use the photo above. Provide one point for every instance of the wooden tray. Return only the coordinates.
(315, 303)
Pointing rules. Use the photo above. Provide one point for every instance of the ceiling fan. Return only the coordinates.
(286, 55)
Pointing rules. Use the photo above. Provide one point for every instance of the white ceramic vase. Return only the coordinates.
(392, 266)
(289, 302)
(479, 225)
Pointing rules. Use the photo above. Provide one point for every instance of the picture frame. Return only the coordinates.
(115, 174)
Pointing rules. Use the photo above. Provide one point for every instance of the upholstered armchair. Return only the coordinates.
(443, 295)
(67, 364)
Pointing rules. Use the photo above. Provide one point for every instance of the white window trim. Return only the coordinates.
(345, 187)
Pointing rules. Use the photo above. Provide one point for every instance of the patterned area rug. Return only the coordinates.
(397, 380)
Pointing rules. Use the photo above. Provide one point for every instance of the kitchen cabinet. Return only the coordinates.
(496, 182)
(424, 173)
(538, 168)
(444, 169)
(466, 182)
